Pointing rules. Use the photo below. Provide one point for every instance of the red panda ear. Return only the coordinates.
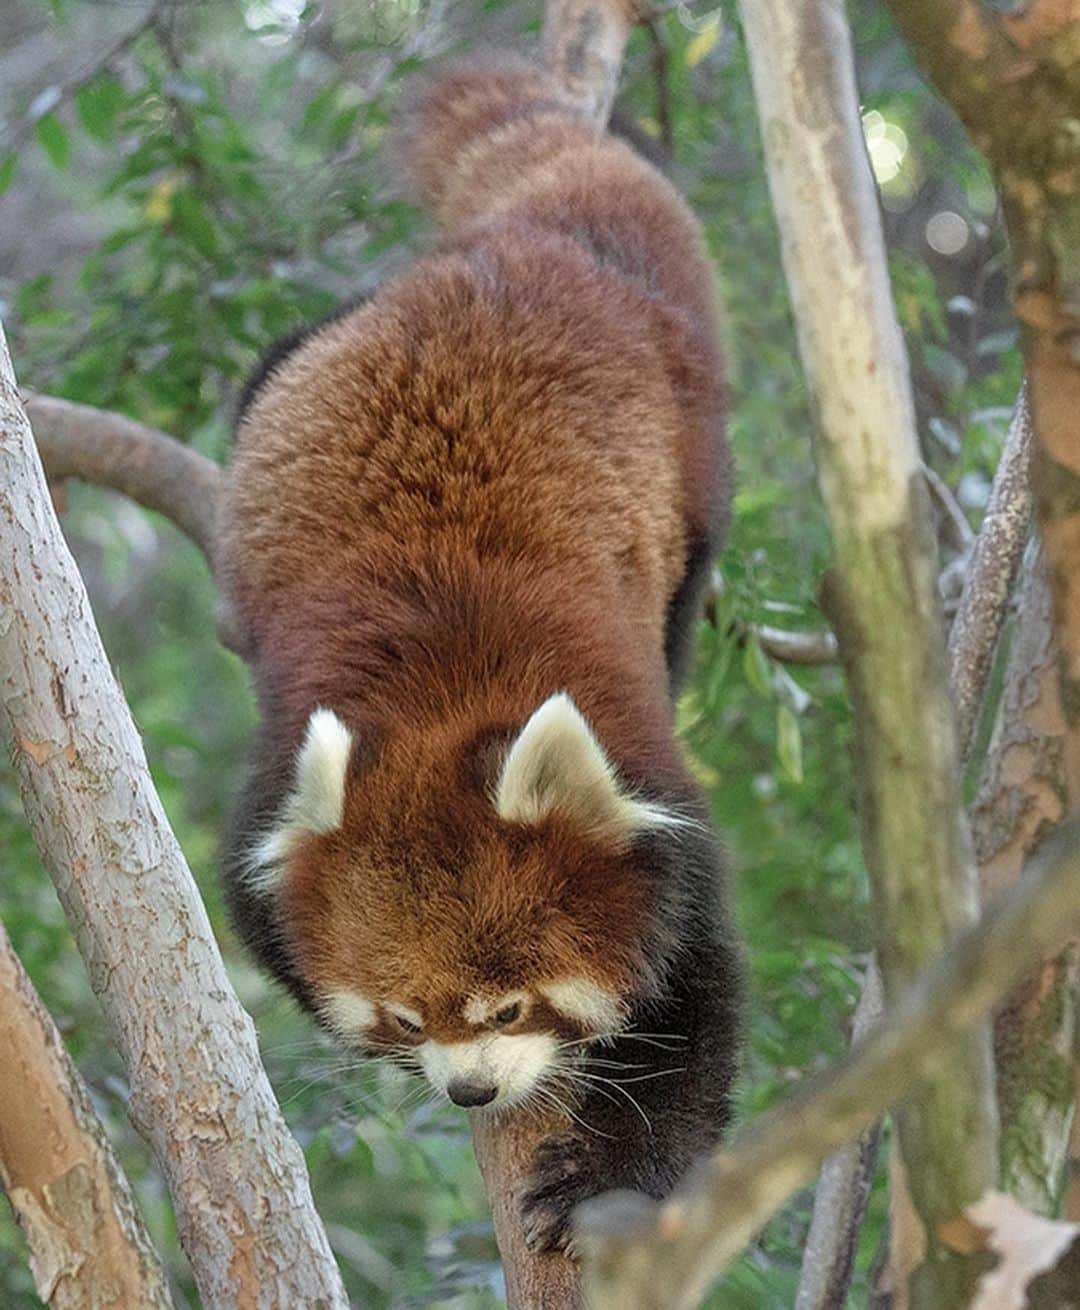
(556, 766)
(317, 801)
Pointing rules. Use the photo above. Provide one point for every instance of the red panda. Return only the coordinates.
(465, 537)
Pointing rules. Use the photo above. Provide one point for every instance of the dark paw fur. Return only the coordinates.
(559, 1182)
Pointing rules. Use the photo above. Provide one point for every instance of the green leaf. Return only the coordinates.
(7, 170)
(98, 104)
(756, 666)
(789, 743)
(53, 139)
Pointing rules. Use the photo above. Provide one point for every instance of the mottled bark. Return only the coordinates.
(882, 592)
(991, 572)
(1012, 73)
(198, 1091)
(645, 1255)
(1021, 800)
(88, 1247)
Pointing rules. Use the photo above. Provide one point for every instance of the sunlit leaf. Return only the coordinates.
(53, 139)
(789, 743)
(702, 44)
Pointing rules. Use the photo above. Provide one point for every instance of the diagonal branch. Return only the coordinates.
(64, 1183)
(652, 1255)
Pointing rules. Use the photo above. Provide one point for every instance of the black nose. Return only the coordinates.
(462, 1093)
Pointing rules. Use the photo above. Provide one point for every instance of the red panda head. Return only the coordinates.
(480, 913)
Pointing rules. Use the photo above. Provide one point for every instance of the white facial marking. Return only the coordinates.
(349, 1013)
(581, 999)
(403, 1012)
(317, 801)
(557, 765)
(482, 1009)
(513, 1065)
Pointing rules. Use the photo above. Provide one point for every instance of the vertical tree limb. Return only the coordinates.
(990, 575)
(199, 1093)
(88, 1247)
(584, 43)
(1021, 801)
(882, 592)
(843, 1190)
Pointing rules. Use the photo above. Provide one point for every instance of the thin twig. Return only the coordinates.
(93, 67)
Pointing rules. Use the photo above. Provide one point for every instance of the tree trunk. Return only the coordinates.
(88, 1247)
(199, 1093)
(882, 593)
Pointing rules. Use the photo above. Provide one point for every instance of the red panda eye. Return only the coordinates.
(507, 1014)
(406, 1025)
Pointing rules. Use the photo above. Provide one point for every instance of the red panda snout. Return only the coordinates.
(483, 1050)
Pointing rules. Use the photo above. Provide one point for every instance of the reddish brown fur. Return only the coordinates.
(478, 489)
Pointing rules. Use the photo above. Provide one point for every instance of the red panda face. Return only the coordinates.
(484, 937)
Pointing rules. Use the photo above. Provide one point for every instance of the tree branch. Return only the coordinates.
(111, 450)
(65, 1186)
(584, 42)
(1021, 800)
(199, 1092)
(990, 575)
(843, 1190)
(647, 1255)
(882, 593)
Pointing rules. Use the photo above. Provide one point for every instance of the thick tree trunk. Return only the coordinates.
(1012, 75)
(88, 1247)
(199, 1093)
(1021, 801)
(882, 593)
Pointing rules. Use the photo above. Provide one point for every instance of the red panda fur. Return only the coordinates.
(502, 477)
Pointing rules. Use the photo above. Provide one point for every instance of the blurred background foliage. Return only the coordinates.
(183, 182)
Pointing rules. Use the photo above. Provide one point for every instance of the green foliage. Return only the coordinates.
(228, 164)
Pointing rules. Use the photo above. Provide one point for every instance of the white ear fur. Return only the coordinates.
(557, 765)
(317, 801)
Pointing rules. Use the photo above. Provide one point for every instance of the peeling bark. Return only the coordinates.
(198, 1091)
(88, 1247)
(1021, 801)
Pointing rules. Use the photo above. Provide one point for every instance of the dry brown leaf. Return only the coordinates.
(1027, 1245)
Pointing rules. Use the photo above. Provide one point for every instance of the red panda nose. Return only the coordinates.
(462, 1093)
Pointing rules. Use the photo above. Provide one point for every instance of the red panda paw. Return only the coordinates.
(558, 1183)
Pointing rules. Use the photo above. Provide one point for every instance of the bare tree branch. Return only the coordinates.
(882, 593)
(110, 450)
(843, 1190)
(991, 572)
(643, 1255)
(88, 1247)
(199, 1092)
